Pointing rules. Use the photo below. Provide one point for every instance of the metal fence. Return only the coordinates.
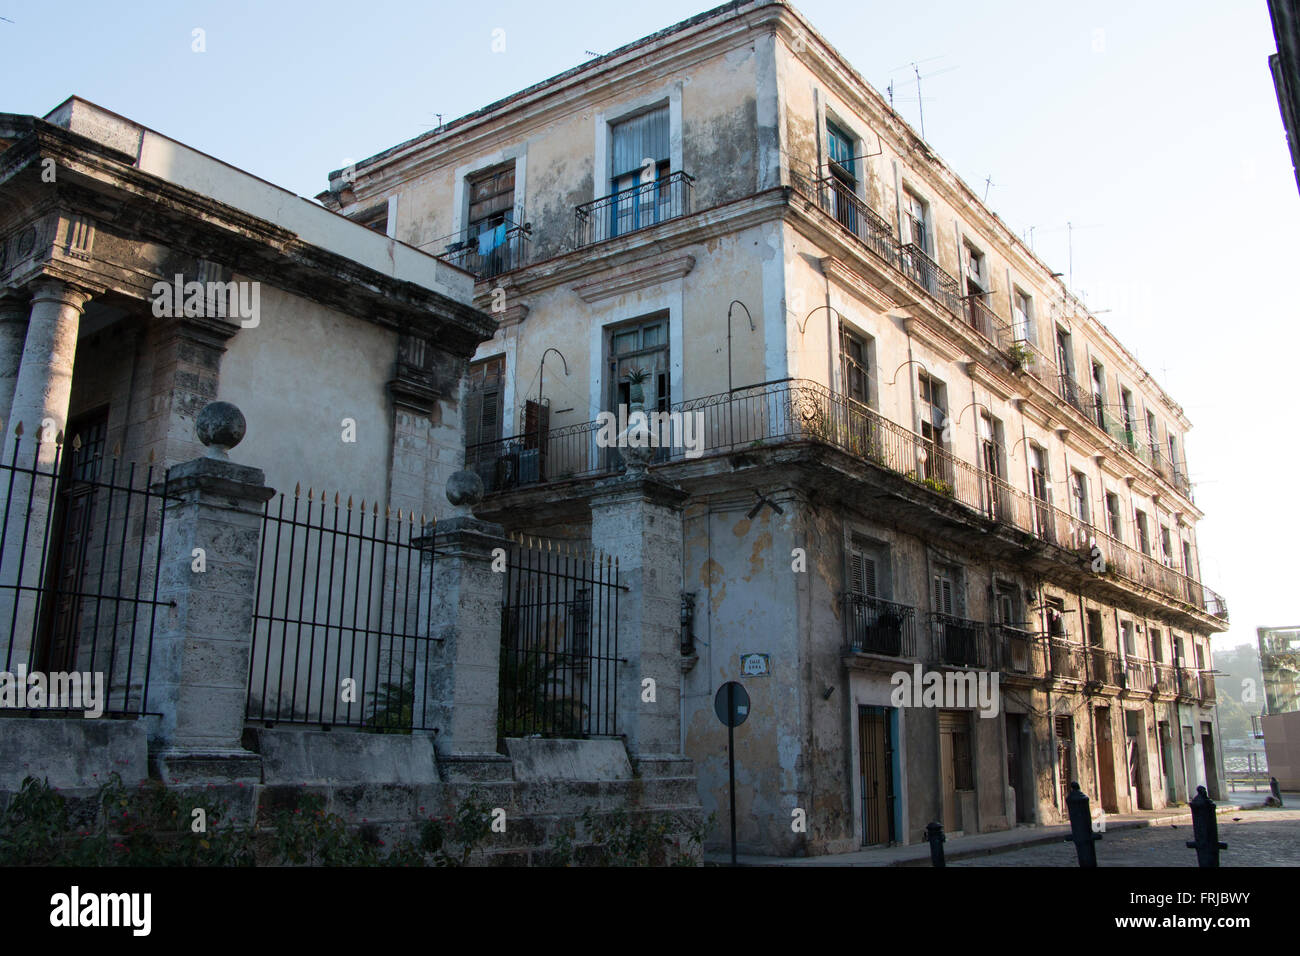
(487, 252)
(80, 556)
(559, 642)
(631, 209)
(341, 616)
(959, 641)
(874, 626)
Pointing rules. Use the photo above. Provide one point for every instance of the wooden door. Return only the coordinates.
(1105, 760)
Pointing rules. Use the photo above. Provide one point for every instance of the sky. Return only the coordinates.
(1152, 128)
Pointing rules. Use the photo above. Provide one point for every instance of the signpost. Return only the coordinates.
(731, 704)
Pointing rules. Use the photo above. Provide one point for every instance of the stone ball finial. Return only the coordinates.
(220, 426)
(465, 488)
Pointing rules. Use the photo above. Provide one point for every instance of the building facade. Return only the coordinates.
(902, 445)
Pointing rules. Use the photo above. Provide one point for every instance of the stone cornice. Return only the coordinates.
(619, 282)
(855, 285)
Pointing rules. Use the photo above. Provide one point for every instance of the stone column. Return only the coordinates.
(465, 625)
(202, 648)
(638, 521)
(40, 404)
(14, 309)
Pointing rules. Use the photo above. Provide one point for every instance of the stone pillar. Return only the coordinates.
(203, 645)
(41, 393)
(638, 521)
(14, 309)
(465, 624)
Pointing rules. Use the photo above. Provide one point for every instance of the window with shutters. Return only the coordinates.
(483, 412)
(640, 165)
(946, 593)
(1129, 637)
(1022, 317)
(1113, 519)
(916, 221)
(934, 415)
(1079, 496)
(1143, 531)
(1157, 640)
(1099, 393)
(491, 198)
(862, 574)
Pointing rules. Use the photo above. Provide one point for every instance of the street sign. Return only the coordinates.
(731, 704)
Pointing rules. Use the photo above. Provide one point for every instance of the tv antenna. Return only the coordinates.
(916, 72)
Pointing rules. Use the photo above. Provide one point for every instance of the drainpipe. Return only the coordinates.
(1123, 654)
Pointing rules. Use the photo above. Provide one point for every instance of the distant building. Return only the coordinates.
(1279, 662)
(1285, 66)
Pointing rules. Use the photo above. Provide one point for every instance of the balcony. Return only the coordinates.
(1188, 684)
(959, 642)
(1104, 667)
(857, 217)
(629, 210)
(1018, 652)
(799, 411)
(916, 264)
(1164, 680)
(1139, 675)
(1067, 660)
(873, 626)
(987, 323)
(1207, 694)
(1025, 354)
(488, 253)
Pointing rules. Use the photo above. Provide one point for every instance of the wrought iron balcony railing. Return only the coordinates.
(916, 264)
(1018, 652)
(987, 323)
(800, 411)
(874, 626)
(1067, 660)
(628, 210)
(959, 642)
(490, 252)
(856, 216)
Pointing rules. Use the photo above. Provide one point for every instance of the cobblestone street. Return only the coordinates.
(1260, 838)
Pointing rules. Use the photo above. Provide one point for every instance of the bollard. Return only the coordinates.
(1081, 834)
(1205, 827)
(934, 833)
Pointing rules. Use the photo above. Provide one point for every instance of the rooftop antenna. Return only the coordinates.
(988, 181)
(890, 90)
(916, 71)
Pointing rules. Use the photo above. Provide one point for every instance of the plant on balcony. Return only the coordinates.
(939, 485)
(1019, 356)
(636, 379)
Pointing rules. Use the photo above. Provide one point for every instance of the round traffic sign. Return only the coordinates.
(731, 704)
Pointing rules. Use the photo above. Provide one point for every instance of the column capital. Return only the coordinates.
(57, 290)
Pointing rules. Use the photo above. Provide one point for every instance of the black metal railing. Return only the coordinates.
(340, 618)
(958, 641)
(80, 554)
(487, 252)
(798, 410)
(1019, 652)
(628, 210)
(980, 317)
(857, 217)
(874, 626)
(916, 264)
(1067, 660)
(559, 642)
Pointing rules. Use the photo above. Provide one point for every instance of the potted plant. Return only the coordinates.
(1020, 356)
(636, 379)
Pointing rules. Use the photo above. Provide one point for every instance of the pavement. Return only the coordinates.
(979, 845)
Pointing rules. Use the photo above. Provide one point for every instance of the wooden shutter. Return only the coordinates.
(942, 595)
(862, 574)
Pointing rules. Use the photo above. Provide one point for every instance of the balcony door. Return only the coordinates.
(1038, 488)
(640, 167)
(641, 345)
(876, 774)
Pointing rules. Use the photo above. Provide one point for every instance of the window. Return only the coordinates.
(1126, 412)
(1022, 317)
(974, 261)
(375, 218)
(643, 345)
(1180, 651)
(1056, 618)
(855, 365)
(1143, 531)
(1189, 568)
(1113, 520)
(916, 225)
(1174, 463)
(483, 412)
(1157, 645)
(1009, 606)
(1099, 393)
(1153, 436)
(640, 167)
(839, 146)
(1129, 637)
(1166, 546)
(862, 573)
(1079, 495)
(1038, 471)
(491, 204)
(934, 413)
(944, 590)
(1096, 634)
